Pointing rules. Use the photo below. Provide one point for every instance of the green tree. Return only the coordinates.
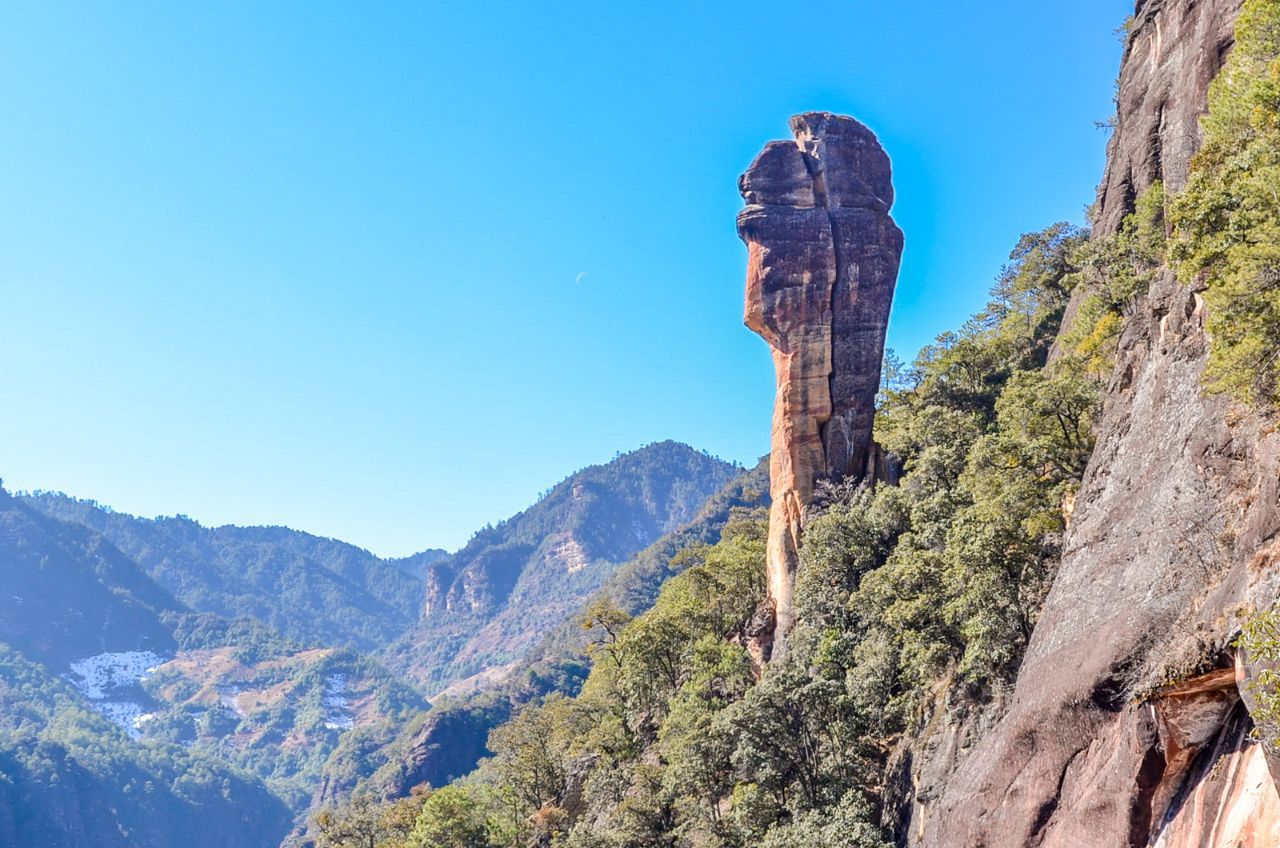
(1227, 221)
(450, 818)
(696, 746)
(533, 752)
(1001, 549)
(848, 824)
(359, 823)
(1260, 642)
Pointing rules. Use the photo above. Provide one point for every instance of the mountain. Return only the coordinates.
(246, 662)
(313, 590)
(69, 593)
(634, 587)
(448, 741)
(80, 624)
(444, 616)
(491, 601)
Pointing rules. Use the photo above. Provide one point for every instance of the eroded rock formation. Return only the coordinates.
(823, 259)
(1173, 538)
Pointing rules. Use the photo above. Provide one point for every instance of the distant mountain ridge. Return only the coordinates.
(444, 616)
(512, 583)
(68, 592)
(311, 589)
(183, 653)
(416, 565)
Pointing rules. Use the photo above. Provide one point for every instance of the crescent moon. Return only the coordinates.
(578, 279)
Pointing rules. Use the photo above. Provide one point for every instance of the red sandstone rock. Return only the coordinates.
(823, 259)
(1170, 541)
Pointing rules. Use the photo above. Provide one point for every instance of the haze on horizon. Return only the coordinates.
(384, 274)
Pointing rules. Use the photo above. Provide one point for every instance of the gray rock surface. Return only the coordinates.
(1172, 540)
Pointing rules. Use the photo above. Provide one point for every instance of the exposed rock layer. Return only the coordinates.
(823, 259)
(1171, 540)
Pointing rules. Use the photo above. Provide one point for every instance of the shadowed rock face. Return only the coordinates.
(823, 259)
(1173, 537)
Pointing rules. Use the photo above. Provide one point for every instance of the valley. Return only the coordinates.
(184, 644)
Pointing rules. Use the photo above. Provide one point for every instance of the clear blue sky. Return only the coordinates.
(314, 263)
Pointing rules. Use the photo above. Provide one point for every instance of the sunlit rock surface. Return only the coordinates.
(1127, 726)
(823, 258)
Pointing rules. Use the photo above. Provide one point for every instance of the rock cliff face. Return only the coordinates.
(1173, 538)
(823, 259)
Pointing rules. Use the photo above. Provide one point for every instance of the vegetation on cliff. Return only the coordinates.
(677, 738)
(1226, 243)
(1114, 269)
(1227, 221)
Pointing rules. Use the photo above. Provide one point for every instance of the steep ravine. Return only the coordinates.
(1126, 725)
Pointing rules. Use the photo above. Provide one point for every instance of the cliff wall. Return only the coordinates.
(1126, 726)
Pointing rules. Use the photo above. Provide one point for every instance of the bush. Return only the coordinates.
(1227, 221)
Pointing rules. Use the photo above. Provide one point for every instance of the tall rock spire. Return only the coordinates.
(823, 258)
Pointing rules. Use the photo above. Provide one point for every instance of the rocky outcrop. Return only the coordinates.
(1230, 800)
(823, 259)
(1173, 51)
(450, 742)
(1171, 541)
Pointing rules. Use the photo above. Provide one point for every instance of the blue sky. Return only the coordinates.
(317, 264)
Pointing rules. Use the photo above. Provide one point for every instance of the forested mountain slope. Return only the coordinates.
(315, 590)
(94, 643)
(494, 599)
(70, 778)
(79, 624)
(448, 741)
(69, 593)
